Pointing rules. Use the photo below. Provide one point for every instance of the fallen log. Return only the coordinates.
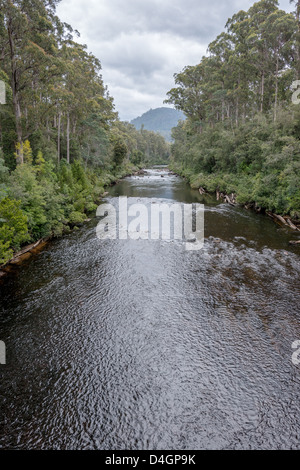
(277, 217)
(227, 199)
(280, 218)
(25, 253)
(28, 248)
(293, 226)
(286, 222)
(293, 242)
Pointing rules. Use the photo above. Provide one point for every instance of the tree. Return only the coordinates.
(119, 152)
(246, 136)
(297, 46)
(13, 227)
(26, 42)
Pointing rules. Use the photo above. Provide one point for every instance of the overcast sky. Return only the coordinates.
(142, 43)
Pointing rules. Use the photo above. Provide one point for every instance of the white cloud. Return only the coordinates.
(141, 44)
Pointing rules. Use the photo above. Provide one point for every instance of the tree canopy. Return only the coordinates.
(240, 118)
(61, 140)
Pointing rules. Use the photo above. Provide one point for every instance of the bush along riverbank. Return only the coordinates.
(241, 136)
(41, 202)
(238, 190)
(61, 139)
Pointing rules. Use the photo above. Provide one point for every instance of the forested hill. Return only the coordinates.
(160, 120)
(242, 104)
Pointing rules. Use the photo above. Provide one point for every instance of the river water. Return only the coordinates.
(142, 344)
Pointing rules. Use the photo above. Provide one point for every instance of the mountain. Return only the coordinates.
(160, 120)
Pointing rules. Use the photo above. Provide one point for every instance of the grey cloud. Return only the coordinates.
(133, 55)
(148, 66)
(187, 18)
(141, 44)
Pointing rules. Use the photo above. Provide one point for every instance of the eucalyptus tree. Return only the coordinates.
(297, 48)
(280, 29)
(27, 40)
(188, 95)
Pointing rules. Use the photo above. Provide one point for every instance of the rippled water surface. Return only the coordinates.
(144, 345)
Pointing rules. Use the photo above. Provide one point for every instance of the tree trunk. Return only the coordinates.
(48, 130)
(237, 104)
(262, 92)
(276, 87)
(223, 104)
(244, 113)
(68, 137)
(237, 112)
(74, 126)
(18, 117)
(228, 111)
(298, 39)
(58, 136)
(15, 93)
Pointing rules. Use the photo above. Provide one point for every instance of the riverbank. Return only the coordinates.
(36, 246)
(23, 255)
(227, 188)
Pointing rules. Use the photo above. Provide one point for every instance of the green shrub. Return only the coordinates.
(76, 218)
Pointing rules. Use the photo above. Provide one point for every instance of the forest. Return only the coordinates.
(61, 139)
(242, 133)
(62, 142)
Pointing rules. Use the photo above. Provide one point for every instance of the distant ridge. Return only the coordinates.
(160, 120)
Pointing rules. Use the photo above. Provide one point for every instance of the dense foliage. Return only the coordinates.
(61, 141)
(242, 132)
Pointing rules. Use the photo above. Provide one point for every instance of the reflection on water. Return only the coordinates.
(143, 345)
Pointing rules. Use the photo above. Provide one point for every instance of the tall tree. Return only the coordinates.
(26, 41)
(297, 48)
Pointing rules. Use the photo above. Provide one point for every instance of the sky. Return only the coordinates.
(142, 43)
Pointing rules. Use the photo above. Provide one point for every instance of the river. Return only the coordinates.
(142, 344)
